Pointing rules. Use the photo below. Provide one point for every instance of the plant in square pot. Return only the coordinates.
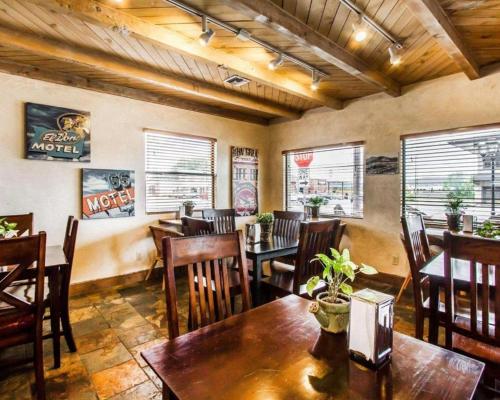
(7, 230)
(454, 208)
(331, 308)
(266, 225)
(188, 207)
(488, 230)
(315, 203)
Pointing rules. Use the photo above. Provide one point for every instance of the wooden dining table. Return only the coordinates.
(278, 351)
(55, 264)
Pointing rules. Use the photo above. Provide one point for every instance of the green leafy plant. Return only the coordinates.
(265, 218)
(7, 230)
(188, 203)
(455, 203)
(337, 271)
(316, 201)
(488, 230)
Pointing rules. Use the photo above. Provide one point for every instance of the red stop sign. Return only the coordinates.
(303, 160)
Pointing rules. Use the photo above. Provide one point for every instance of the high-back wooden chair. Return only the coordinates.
(207, 259)
(21, 320)
(339, 235)
(197, 227)
(24, 223)
(224, 219)
(477, 333)
(417, 249)
(287, 223)
(159, 232)
(314, 238)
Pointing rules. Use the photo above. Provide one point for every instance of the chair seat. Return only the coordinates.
(283, 282)
(26, 290)
(485, 352)
(13, 321)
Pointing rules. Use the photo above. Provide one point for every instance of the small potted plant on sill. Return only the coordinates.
(7, 230)
(314, 204)
(188, 207)
(487, 230)
(331, 308)
(454, 208)
(266, 224)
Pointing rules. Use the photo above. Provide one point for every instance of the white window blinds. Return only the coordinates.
(334, 173)
(179, 168)
(466, 163)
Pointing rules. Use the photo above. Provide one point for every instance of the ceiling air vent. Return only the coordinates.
(236, 80)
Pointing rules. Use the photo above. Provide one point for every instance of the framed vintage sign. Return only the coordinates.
(245, 168)
(382, 165)
(107, 193)
(55, 133)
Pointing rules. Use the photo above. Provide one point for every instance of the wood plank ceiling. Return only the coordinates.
(147, 49)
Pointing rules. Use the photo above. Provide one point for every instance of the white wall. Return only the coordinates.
(52, 189)
(380, 120)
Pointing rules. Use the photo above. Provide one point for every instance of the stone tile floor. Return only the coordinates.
(111, 328)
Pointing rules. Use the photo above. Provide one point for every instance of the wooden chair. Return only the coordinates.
(206, 258)
(24, 223)
(159, 233)
(418, 252)
(287, 223)
(224, 219)
(339, 235)
(20, 320)
(476, 334)
(197, 227)
(314, 238)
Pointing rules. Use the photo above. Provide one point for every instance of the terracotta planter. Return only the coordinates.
(453, 221)
(333, 317)
(265, 232)
(189, 210)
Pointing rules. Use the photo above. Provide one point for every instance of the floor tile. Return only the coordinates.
(96, 340)
(143, 391)
(136, 351)
(106, 357)
(138, 335)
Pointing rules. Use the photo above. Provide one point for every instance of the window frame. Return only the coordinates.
(359, 143)
(213, 175)
(434, 223)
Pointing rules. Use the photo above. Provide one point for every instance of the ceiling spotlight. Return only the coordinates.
(359, 28)
(207, 34)
(395, 54)
(276, 62)
(315, 80)
(243, 35)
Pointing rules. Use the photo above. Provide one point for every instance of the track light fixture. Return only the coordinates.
(395, 54)
(275, 63)
(315, 80)
(360, 30)
(207, 34)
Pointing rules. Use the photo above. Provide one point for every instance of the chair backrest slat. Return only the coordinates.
(224, 219)
(484, 269)
(159, 232)
(197, 227)
(24, 223)
(314, 238)
(287, 223)
(206, 258)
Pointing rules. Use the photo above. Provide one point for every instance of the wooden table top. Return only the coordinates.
(54, 258)
(278, 351)
(276, 243)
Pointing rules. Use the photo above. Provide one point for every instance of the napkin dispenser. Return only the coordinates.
(371, 327)
(252, 233)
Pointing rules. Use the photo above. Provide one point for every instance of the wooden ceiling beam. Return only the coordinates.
(98, 13)
(276, 18)
(32, 72)
(435, 20)
(126, 68)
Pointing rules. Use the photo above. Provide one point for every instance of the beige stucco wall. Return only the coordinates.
(380, 120)
(52, 189)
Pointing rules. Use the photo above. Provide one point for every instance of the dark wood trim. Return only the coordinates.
(485, 128)
(324, 147)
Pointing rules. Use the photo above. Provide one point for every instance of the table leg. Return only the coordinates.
(433, 311)
(55, 315)
(64, 301)
(257, 277)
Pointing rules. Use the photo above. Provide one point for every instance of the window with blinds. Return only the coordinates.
(334, 173)
(465, 163)
(179, 168)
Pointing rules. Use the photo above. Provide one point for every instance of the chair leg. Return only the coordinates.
(38, 360)
(148, 275)
(55, 327)
(405, 284)
(419, 326)
(66, 325)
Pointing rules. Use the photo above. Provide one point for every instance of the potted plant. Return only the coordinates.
(266, 223)
(315, 203)
(331, 308)
(7, 230)
(455, 208)
(188, 207)
(488, 230)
